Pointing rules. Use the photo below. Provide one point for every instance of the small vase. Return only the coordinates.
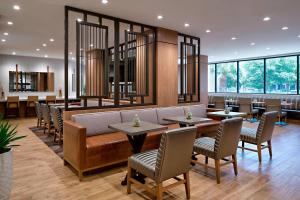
(5, 175)
(136, 121)
(189, 115)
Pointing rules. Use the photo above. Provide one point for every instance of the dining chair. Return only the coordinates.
(246, 106)
(38, 111)
(260, 135)
(275, 105)
(57, 123)
(50, 99)
(31, 100)
(13, 103)
(223, 145)
(171, 160)
(219, 102)
(48, 124)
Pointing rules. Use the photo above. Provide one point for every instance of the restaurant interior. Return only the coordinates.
(107, 99)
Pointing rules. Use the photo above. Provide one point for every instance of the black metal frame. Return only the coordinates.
(297, 55)
(117, 22)
(196, 61)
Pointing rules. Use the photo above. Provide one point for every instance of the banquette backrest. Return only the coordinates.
(148, 115)
(165, 112)
(196, 110)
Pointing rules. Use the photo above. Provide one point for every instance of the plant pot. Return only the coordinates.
(5, 174)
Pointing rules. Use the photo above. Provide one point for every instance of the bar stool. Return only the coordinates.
(13, 103)
(30, 105)
(50, 99)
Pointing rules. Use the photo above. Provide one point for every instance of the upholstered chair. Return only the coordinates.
(260, 135)
(223, 145)
(245, 105)
(38, 111)
(57, 123)
(46, 118)
(171, 160)
(13, 103)
(31, 100)
(219, 102)
(275, 105)
(50, 99)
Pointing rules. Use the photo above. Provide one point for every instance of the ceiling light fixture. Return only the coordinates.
(104, 1)
(186, 25)
(37, 49)
(267, 19)
(5, 33)
(79, 19)
(10, 23)
(160, 17)
(44, 45)
(233, 38)
(252, 44)
(268, 48)
(3, 40)
(71, 53)
(284, 28)
(298, 36)
(13, 53)
(16, 7)
(208, 31)
(51, 40)
(46, 56)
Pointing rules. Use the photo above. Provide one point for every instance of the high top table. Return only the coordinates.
(136, 137)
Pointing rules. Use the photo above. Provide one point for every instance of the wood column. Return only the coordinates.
(203, 79)
(167, 67)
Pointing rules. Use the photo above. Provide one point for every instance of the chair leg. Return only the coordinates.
(45, 127)
(206, 160)
(54, 139)
(38, 122)
(80, 175)
(270, 148)
(128, 178)
(243, 145)
(234, 164)
(259, 152)
(60, 137)
(217, 168)
(187, 185)
(159, 191)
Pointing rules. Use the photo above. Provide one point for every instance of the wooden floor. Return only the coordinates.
(40, 174)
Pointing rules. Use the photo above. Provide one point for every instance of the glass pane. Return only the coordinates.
(211, 78)
(227, 77)
(281, 75)
(251, 76)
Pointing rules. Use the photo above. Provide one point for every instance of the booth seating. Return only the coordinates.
(246, 106)
(13, 104)
(89, 143)
(30, 104)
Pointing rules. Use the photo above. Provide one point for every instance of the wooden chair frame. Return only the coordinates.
(258, 149)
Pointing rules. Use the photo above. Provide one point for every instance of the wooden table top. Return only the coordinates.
(129, 129)
(184, 120)
(230, 114)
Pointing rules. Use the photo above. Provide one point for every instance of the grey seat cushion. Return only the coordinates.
(148, 115)
(168, 112)
(196, 110)
(205, 146)
(144, 162)
(248, 135)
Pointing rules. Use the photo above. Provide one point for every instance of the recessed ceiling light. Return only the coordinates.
(3, 40)
(267, 19)
(16, 7)
(160, 17)
(186, 25)
(10, 23)
(91, 45)
(79, 19)
(284, 28)
(5, 33)
(37, 49)
(268, 48)
(128, 30)
(233, 38)
(51, 40)
(252, 44)
(46, 56)
(13, 53)
(208, 31)
(71, 53)
(104, 1)
(298, 36)
(44, 45)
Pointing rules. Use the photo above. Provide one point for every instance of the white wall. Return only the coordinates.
(35, 64)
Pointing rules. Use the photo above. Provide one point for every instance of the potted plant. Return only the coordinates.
(8, 134)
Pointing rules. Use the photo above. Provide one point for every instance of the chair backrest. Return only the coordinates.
(219, 102)
(50, 99)
(38, 110)
(174, 153)
(31, 100)
(273, 105)
(245, 105)
(227, 138)
(46, 113)
(266, 126)
(12, 101)
(57, 118)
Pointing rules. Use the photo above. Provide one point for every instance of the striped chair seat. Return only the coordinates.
(205, 146)
(145, 162)
(248, 135)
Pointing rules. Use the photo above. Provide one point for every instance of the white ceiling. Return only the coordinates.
(40, 20)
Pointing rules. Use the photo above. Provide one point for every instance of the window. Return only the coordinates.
(251, 76)
(281, 75)
(211, 78)
(227, 77)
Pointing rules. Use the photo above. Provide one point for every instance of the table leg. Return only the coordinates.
(136, 143)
